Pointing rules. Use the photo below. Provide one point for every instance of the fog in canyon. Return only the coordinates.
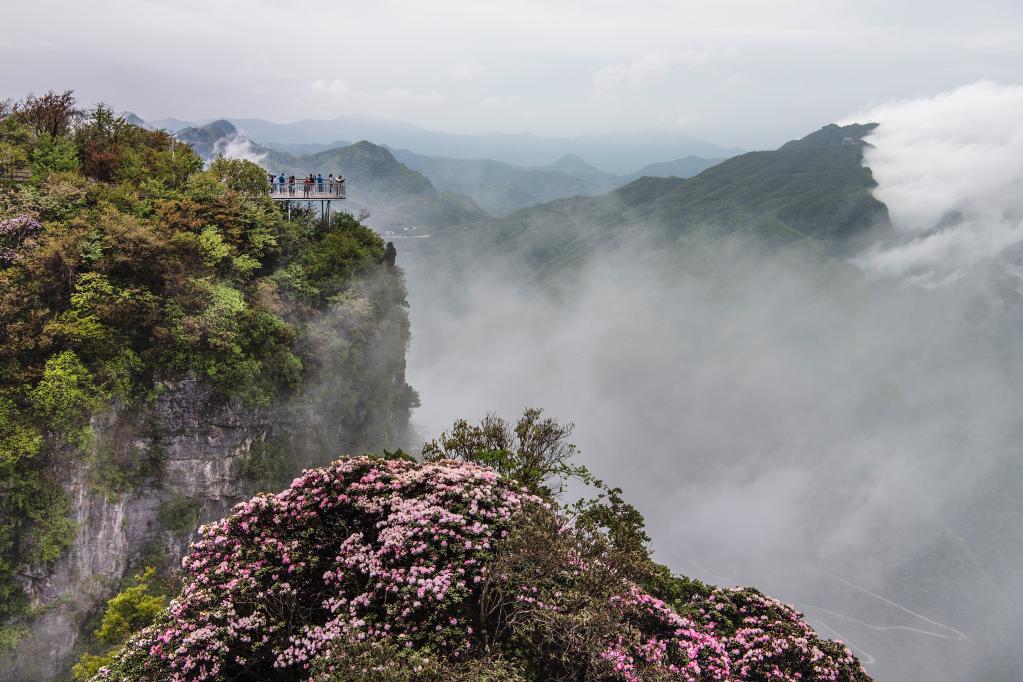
(844, 435)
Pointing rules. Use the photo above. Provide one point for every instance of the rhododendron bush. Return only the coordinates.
(391, 569)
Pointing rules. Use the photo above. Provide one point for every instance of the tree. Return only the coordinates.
(53, 155)
(127, 612)
(534, 452)
(52, 114)
(99, 143)
(240, 175)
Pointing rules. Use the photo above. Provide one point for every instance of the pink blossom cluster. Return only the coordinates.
(373, 554)
(670, 643)
(362, 549)
(768, 640)
(13, 233)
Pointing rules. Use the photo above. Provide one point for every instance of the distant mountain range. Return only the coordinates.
(210, 139)
(502, 188)
(619, 153)
(497, 187)
(814, 191)
(395, 195)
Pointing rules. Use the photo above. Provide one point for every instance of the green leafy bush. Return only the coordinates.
(140, 266)
(53, 155)
(66, 394)
(128, 611)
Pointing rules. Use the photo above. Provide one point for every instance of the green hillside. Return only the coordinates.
(813, 190)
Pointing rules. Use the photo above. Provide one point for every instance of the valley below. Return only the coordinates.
(760, 349)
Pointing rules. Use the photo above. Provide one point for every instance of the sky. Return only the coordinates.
(749, 73)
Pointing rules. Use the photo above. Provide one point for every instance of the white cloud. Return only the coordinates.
(335, 88)
(238, 146)
(465, 72)
(643, 71)
(948, 168)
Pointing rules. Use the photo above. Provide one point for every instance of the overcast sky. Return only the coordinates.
(751, 73)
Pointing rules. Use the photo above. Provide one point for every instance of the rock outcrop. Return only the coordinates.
(190, 456)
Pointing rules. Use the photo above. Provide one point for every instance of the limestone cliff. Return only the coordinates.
(192, 454)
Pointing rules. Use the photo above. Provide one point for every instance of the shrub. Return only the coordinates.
(390, 569)
(67, 393)
(128, 611)
(53, 155)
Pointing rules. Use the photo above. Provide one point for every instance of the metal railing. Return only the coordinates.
(301, 191)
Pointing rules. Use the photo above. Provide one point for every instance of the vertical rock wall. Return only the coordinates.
(354, 398)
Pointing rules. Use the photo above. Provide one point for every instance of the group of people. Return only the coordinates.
(313, 184)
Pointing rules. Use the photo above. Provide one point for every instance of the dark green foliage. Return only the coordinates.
(341, 252)
(535, 452)
(266, 466)
(180, 514)
(53, 155)
(139, 266)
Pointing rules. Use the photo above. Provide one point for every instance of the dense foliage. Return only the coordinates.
(123, 261)
(131, 609)
(392, 569)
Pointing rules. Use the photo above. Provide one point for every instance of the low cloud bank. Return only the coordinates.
(848, 446)
(949, 169)
(847, 443)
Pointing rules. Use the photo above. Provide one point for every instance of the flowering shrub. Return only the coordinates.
(14, 232)
(362, 549)
(373, 569)
(769, 640)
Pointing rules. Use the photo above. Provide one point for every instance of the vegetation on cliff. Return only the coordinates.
(123, 262)
(449, 569)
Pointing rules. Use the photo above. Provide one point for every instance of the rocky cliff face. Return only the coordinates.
(190, 455)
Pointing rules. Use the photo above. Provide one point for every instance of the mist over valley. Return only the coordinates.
(532, 342)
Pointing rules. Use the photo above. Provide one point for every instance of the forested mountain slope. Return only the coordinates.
(814, 190)
(169, 344)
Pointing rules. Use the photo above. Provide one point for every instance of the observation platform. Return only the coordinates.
(325, 191)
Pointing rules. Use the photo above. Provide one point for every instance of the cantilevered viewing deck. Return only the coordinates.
(317, 191)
